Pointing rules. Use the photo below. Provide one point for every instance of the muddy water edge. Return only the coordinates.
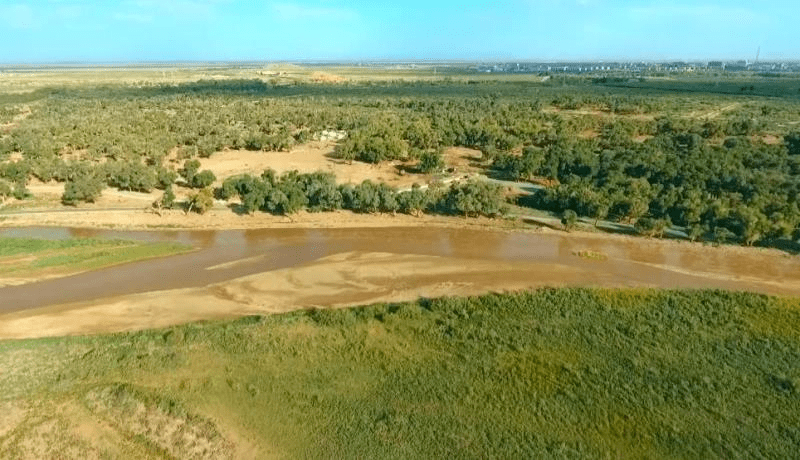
(230, 254)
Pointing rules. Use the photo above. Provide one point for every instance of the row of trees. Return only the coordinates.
(293, 191)
(84, 181)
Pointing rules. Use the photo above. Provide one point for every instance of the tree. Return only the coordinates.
(696, 230)
(253, 194)
(600, 208)
(202, 179)
(751, 224)
(167, 200)
(650, 226)
(190, 168)
(5, 190)
(165, 177)
(365, 197)
(413, 201)
(430, 162)
(321, 191)
(474, 198)
(133, 176)
(569, 219)
(201, 201)
(84, 185)
(21, 191)
(792, 142)
(287, 198)
(722, 235)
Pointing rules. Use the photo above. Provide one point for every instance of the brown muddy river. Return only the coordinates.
(225, 255)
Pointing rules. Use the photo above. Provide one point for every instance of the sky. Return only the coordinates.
(40, 31)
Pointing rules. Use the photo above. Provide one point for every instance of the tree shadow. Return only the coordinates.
(789, 246)
(238, 209)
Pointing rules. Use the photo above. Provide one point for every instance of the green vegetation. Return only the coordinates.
(569, 220)
(293, 191)
(591, 255)
(29, 258)
(714, 155)
(553, 373)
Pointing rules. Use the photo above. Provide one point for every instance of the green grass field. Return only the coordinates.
(554, 373)
(31, 258)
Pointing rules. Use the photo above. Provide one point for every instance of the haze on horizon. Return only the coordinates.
(40, 31)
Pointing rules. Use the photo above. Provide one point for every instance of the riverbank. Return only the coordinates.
(28, 260)
(274, 271)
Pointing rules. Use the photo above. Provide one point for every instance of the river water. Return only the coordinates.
(225, 255)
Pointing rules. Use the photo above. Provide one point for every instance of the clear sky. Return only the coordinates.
(157, 30)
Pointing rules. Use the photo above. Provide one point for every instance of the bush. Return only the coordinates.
(202, 179)
(792, 142)
(190, 168)
(85, 186)
(201, 201)
(414, 201)
(474, 198)
(430, 162)
(167, 200)
(569, 219)
(131, 176)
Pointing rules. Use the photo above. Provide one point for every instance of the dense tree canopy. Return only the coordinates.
(715, 165)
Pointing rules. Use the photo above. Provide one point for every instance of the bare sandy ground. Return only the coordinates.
(225, 219)
(337, 281)
(307, 158)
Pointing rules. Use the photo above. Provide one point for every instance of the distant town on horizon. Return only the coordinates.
(477, 65)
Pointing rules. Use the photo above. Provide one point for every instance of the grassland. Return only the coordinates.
(570, 373)
(28, 259)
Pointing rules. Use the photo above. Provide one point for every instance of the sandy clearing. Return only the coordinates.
(308, 158)
(599, 113)
(768, 139)
(713, 113)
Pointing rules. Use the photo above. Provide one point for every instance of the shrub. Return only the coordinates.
(430, 162)
(474, 198)
(202, 179)
(792, 142)
(167, 200)
(85, 186)
(190, 168)
(414, 201)
(201, 201)
(569, 219)
(131, 176)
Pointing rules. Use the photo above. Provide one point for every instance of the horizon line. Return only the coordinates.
(90, 63)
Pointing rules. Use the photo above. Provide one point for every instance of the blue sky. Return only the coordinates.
(154, 30)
